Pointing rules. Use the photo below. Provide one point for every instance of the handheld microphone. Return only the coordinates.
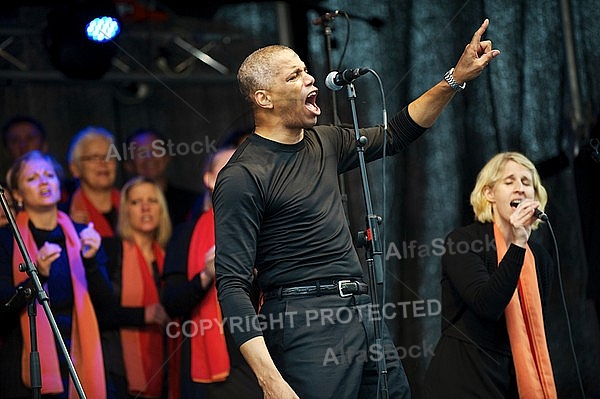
(337, 80)
(540, 215)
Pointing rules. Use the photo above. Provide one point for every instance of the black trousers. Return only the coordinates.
(325, 347)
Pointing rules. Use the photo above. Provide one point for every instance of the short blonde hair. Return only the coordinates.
(489, 176)
(162, 234)
(83, 136)
(258, 70)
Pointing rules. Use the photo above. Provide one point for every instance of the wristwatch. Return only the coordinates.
(450, 79)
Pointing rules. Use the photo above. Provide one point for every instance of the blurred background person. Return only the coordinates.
(96, 198)
(21, 134)
(4, 222)
(138, 353)
(73, 276)
(235, 137)
(211, 364)
(149, 157)
(493, 342)
(232, 139)
(24, 133)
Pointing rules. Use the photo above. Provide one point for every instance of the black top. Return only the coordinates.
(180, 296)
(476, 290)
(181, 203)
(60, 294)
(473, 357)
(278, 208)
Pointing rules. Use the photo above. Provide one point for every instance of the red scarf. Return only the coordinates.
(86, 350)
(143, 347)
(525, 324)
(81, 203)
(209, 359)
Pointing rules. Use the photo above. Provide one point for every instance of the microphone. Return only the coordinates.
(336, 80)
(328, 16)
(540, 215)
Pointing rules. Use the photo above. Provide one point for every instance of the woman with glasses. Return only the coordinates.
(96, 198)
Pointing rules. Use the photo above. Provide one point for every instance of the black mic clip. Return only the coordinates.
(325, 18)
(337, 80)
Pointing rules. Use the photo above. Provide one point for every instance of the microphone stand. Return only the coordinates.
(30, 295)
(371, 241)
(327, 31)
(325, 21)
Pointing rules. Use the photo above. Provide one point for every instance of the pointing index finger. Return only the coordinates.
(479, 32)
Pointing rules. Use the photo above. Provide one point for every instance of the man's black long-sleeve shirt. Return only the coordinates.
(278, 209)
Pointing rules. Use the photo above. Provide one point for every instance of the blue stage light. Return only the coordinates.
(81, 38)
(102, 29)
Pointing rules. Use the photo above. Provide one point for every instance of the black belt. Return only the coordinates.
(343, 288)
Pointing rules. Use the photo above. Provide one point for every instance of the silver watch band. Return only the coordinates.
(450, 79)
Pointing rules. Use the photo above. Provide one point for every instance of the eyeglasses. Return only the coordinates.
(94, 158)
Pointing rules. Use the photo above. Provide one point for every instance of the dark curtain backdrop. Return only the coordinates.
(523, 101)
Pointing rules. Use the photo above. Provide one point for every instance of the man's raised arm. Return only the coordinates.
(477, 55)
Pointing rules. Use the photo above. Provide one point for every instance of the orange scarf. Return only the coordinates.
(143, 347)
(209, 358)
(80, 202)
(525, 324)
(86, 350)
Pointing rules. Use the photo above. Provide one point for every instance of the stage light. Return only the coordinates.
(102, 29)
(81, 38)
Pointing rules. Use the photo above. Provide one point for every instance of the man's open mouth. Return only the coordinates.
(311, 103)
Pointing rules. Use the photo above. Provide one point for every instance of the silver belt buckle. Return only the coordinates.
(339, 284)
